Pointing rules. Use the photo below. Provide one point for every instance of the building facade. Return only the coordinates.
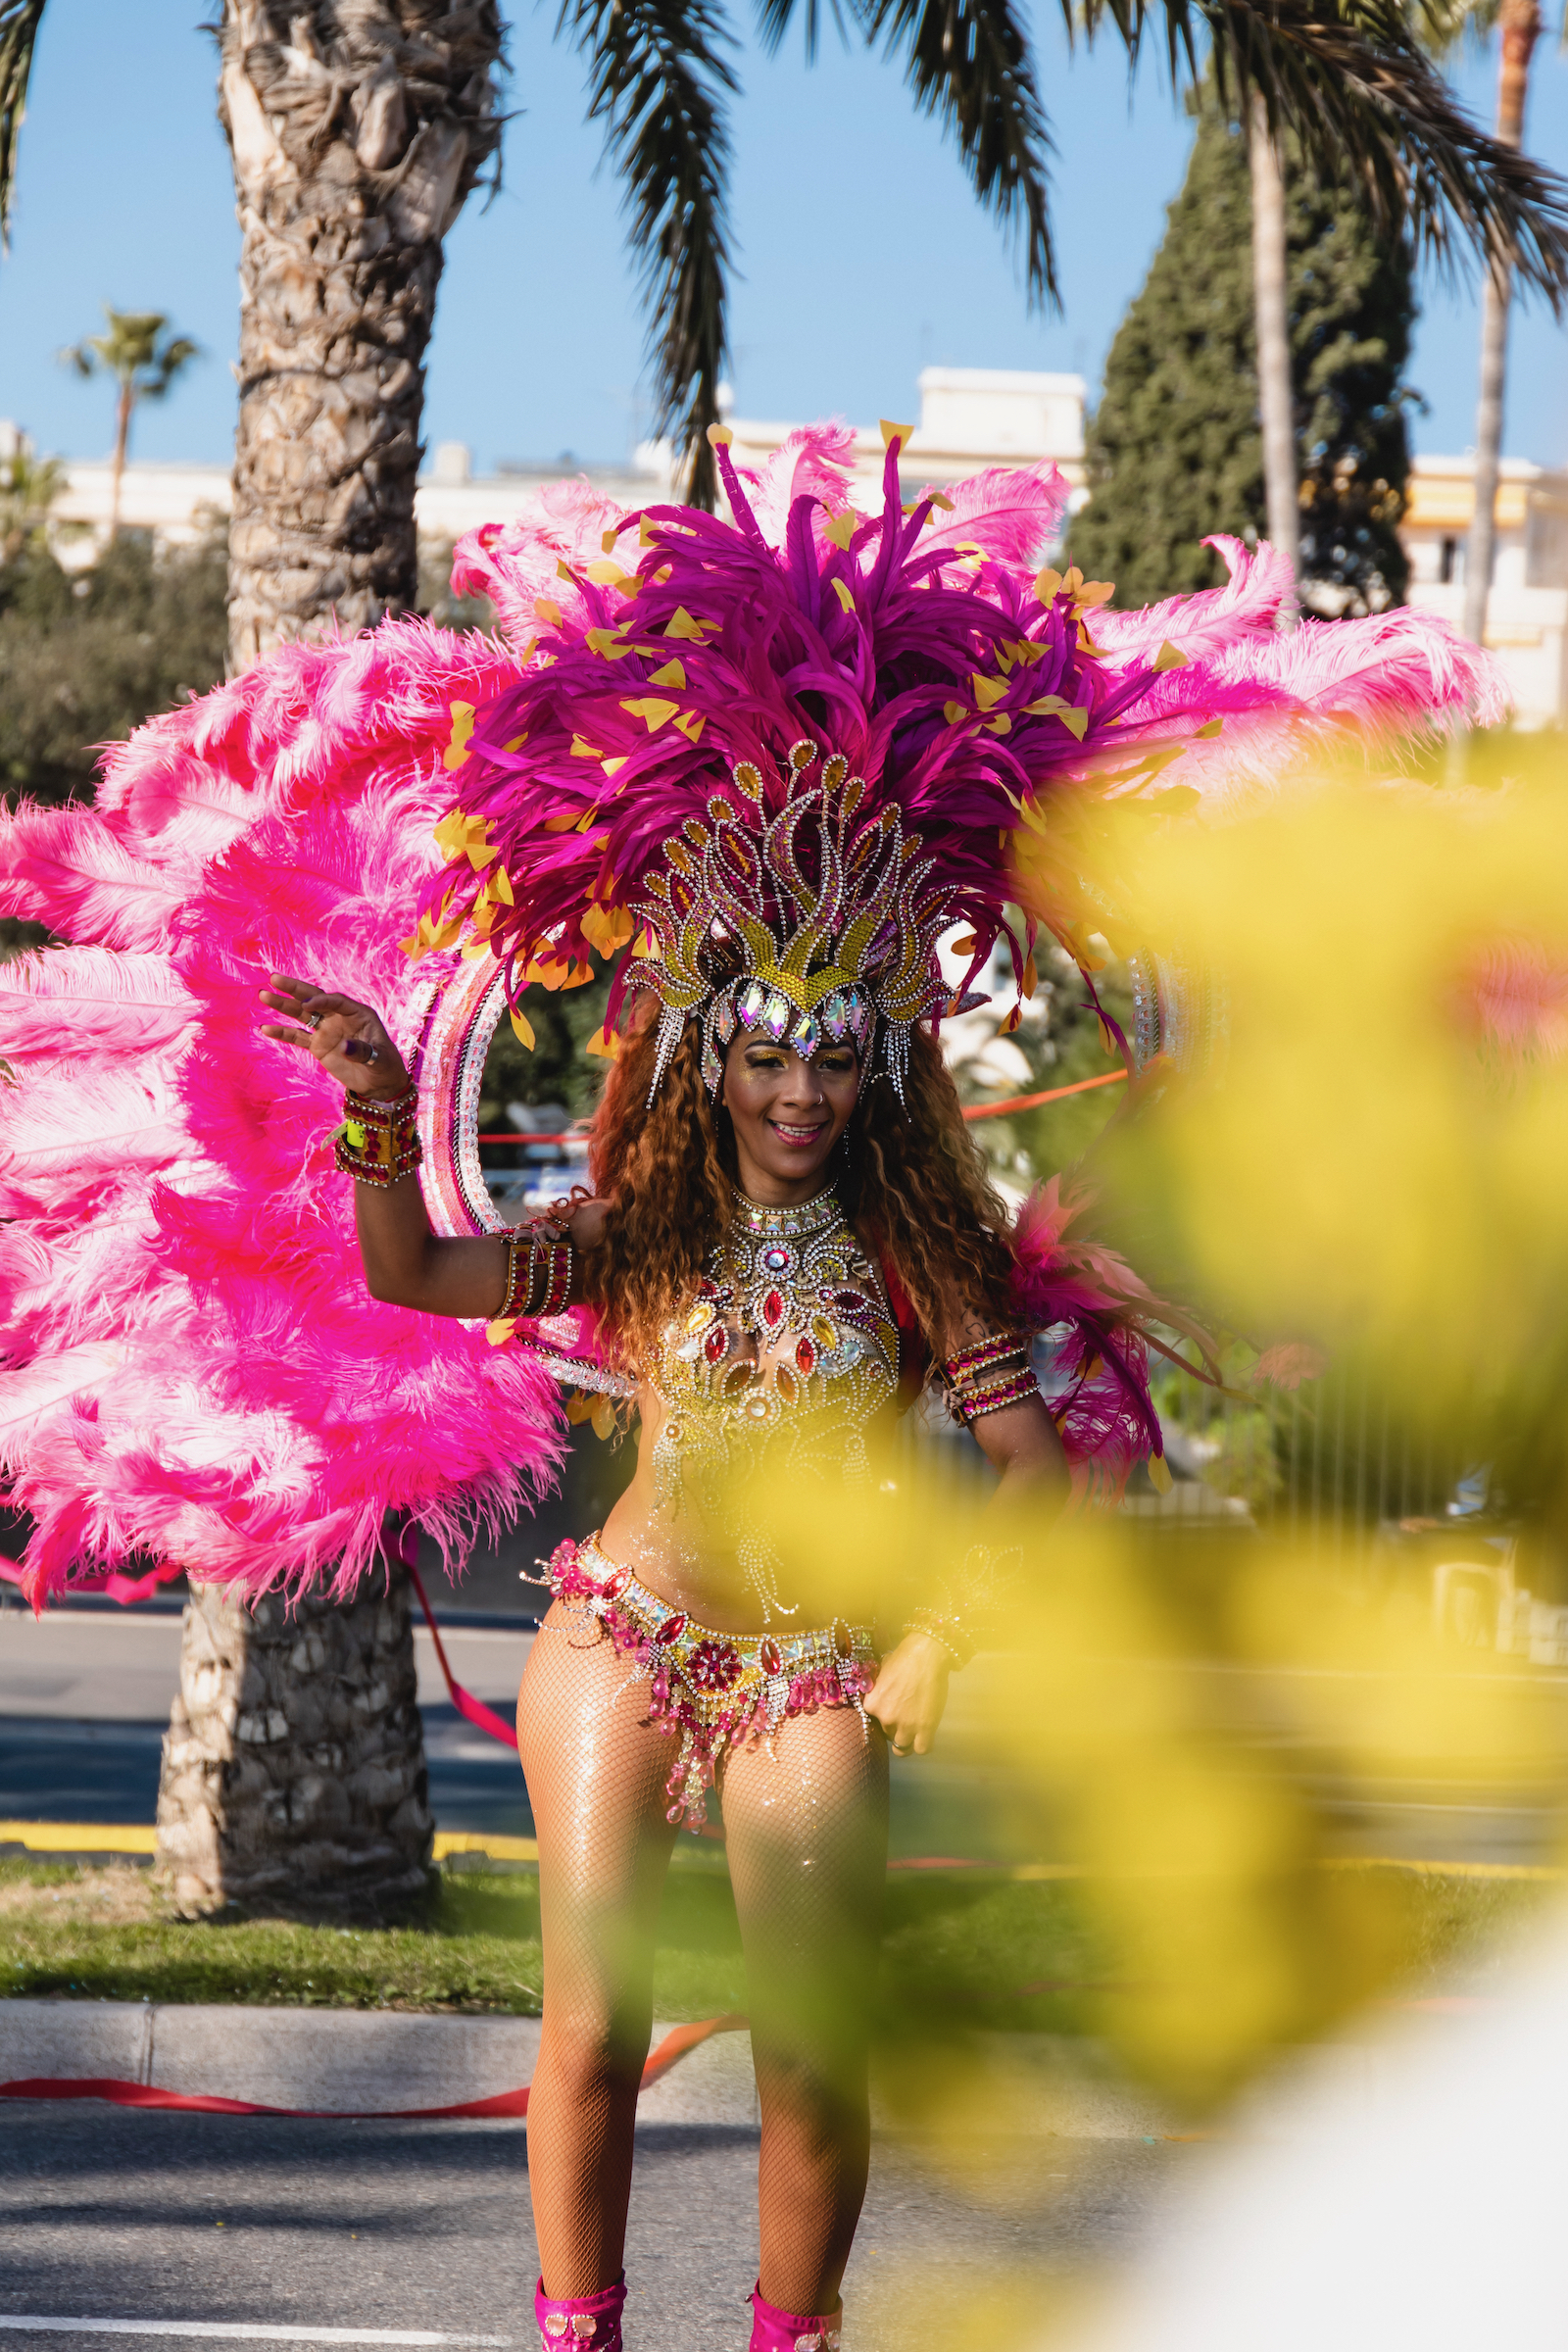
(1527, 609)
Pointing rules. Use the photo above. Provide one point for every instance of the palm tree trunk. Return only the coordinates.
(1519, 28)
(1276, 399)
(122, 408)
(357, 127)
(294, 1763)
(294, 1760)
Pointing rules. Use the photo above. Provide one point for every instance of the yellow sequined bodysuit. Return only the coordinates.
(789, 1351)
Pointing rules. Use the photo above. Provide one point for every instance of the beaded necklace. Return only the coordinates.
(787, 1347)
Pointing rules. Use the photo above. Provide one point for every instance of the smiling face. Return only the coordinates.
(788, 1114)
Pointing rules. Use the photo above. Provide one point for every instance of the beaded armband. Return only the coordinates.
(993, 1373)
(538, 1277)
(378, 1142)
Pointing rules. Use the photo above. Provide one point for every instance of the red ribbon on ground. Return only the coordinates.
(505, 2103)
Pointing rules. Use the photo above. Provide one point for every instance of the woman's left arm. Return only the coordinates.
(910, 1690)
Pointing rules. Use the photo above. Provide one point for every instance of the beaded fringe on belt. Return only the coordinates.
(717, 1691)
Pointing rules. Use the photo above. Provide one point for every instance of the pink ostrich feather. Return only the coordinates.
(190, 1367)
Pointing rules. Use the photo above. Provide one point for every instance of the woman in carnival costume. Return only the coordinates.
(780, 757)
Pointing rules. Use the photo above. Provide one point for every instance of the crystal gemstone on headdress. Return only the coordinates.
(776, 1017)
(751, 1002)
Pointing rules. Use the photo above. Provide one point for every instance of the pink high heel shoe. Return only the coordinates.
(775, 2331)
(581, 2323)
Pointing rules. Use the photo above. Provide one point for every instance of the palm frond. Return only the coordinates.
(659, 76)
(969, 63)
(1350, 79)
(19, 34)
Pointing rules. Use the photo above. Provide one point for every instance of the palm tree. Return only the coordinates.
(144, 359)
(358, 129)
(1433, 27)
(1519, 27)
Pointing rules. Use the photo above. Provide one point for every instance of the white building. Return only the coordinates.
(970, 417)
(1527, 609)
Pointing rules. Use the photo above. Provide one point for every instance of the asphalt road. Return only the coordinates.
(231, 2222)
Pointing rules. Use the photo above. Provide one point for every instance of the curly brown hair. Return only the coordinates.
(912, 1179)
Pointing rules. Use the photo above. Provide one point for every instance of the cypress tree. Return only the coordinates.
(1174, 449)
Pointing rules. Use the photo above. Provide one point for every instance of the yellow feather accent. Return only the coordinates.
(673, 674)
(456, 750)
(843, 595)
(654, 712)
(522, 1029)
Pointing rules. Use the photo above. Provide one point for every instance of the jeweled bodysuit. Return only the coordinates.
(786, 1356)
(789, 1350)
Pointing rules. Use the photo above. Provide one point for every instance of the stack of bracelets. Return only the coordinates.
(378, 1142)
(993, 1373)
(538, 1277)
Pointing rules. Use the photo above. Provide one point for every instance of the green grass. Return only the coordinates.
(961, 1951)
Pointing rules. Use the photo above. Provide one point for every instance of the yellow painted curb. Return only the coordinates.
(112, 1837)
(121, 1837)
(78, 1838)
(485, 1841)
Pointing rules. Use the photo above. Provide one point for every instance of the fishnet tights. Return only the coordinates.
(807, 1832)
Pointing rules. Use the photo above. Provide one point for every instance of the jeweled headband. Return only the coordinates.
(810, 927)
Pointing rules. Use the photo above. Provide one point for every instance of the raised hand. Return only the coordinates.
(577, 1217)
(345, 1038)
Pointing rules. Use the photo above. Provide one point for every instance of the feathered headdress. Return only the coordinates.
(792, 758)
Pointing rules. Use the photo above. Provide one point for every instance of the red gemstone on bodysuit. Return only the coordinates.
(770, 1657)
(670, 1630)
(716, 1343)
(614, 1586)
(773, 1309)
(806, 1358)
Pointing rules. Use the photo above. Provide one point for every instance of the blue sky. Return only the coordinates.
(861, 254)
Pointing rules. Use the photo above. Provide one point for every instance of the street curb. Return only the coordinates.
(383, 2061)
